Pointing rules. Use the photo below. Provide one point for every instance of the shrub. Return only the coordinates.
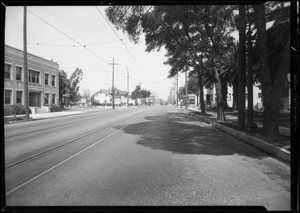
(54, 108)
(16, 109)
(19, 109)
(9, 110)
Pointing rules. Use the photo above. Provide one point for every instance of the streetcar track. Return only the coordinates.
(61, 145)
(62, 125)
(73, 155)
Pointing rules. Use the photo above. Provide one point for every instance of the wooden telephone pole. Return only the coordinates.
(25, 67)
(113, 86)
(127, 87)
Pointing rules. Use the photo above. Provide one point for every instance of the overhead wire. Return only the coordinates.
(67, 36)
(118, 37)
(105, 42)
(80, 33)
(73, 45)
(70, 25)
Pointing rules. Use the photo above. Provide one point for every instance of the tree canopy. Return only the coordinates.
(198, 38)
(140, 93)
(75, 79)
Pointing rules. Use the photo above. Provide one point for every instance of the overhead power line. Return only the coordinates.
(119, 38)
(73, 45)
(63, 45)
(54, 27)
(67, 36)
(105, 42)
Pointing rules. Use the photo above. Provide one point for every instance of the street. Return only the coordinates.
(149, 156)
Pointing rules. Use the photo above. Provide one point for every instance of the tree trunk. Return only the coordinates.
(250, 125)
(235, 94)
(271, 93)
(242, 72)
(272, 103)
(224, 92)
(201, 95)
(220, 102)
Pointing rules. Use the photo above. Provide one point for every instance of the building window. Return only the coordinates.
(19, 73)
(34, 76)
(7, 97)
(7, 71)
(19, 95)
(259, 95)
(53, 98)
(46, 99)
(53, 80)
(46, 79)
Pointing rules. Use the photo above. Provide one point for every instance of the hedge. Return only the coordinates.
(15, 110)
(55, 108)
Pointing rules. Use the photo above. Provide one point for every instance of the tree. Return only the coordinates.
(193, 29)
(218, 22)
(272, 76)
(181, 93)
(193, 83)
(86, 93)
(242, 69)
(75, 79)
(140, 93)
(135, 94)
(64, 86)
(145, 93)
(250, 125)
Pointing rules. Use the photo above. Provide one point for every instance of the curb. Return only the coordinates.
(258, 143)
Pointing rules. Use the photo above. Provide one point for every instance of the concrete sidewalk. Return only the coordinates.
(67, 112)
(72, 111)
(53, 114)
(279, 147)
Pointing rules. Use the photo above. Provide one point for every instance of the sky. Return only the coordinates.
(80, 37)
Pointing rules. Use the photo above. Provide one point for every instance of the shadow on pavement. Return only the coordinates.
(182, 134)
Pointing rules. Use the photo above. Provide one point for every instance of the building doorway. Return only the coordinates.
(35, 99)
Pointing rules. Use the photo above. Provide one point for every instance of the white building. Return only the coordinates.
(104, 97)
(210, 97)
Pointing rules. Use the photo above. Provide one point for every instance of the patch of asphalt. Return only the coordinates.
(281, 153)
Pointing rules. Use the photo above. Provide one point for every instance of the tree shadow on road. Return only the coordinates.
(183, 134)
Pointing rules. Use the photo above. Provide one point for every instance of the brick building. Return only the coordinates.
(43, 80)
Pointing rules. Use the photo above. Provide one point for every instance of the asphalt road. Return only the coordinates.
(149, 156)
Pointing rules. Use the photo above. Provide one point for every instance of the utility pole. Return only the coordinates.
(113, 86)
(127, 87)
(25, 65)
